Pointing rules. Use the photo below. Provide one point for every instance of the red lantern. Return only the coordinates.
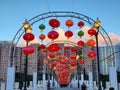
(74, 49)
(73, 63)
(73, 56)
(80, 43)
(41, 47)
(91, 42)
(53, 47)
(80, 24)
(54, 64)
(28, 50)
(53, 35)
(28, 37)
(54, 23)
(81, 62)
(92, 32)
(68, 34)
(42, 37)
(51, 55)
(69, 23)
(92, 54)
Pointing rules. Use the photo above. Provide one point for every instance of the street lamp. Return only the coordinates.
(96, 26)
(27, 50)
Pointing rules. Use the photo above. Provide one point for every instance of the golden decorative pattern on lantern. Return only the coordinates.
(42, 37)
(28, 50)
(91, 42)
(97, 23)
(28, 37)
(54, 23)
(80, 24)
(69, 23)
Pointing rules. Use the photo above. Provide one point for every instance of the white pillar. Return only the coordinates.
(34, 80)
(10, 78)
(113, 78)
(2, 86)
(44, 81)
(90, 81)
(82, 78)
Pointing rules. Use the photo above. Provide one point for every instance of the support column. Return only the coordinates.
(34, 80)
(44, 81)
(90, 81)
(82, 78)
(10, 78)
(113, 78)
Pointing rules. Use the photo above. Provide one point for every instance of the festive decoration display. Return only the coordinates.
(41, 27)
(42, 37)
(92, 54)
(92, 32)
(80, 33)
(80, 43)
(91, 42)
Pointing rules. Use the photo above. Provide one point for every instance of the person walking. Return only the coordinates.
(83, 86)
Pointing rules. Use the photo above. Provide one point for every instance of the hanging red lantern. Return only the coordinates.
(51, 55)
(44, 62)
(73, 57)
(80, 43)
(54, 64)
(69, 23)
(68, 34)
(91, 42)
(74, 49)
(80, 33)
(53, 47)
(91, 54)
(54, 23)
(41, 47)
(42, 37)
(28, 37)
(80, 24)
(53, 35)
(81, 62)
(28, 50)
(92, 32)
(73, 63)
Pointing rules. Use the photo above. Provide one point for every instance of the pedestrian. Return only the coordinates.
(111, 88)
(83, 86)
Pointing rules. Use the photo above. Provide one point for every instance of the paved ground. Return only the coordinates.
(65, 89)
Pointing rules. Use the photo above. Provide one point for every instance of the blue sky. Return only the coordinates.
(14, 12)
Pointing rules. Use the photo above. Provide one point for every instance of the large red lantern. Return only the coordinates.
(74, 63)
(81, 62)
(53, 47)
(53, 35)
(51, 55)
(92, 32)
(91, 54)
(74, 49)
(80, 24)
(91, 42)
(28, 50)
(69, 23)
(73, 56)
(28, 37)
(41, 47)
(54, 23)
(80, 43)
(42, 37)
(68, 34)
